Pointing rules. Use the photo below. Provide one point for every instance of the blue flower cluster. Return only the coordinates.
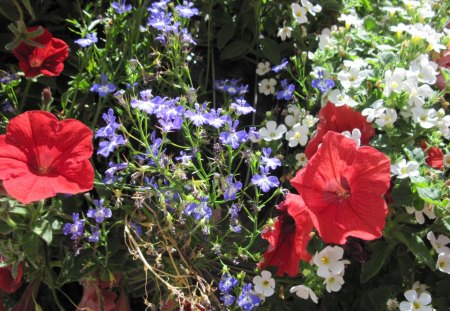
(109, 131)
(321, 83)
(264, 181)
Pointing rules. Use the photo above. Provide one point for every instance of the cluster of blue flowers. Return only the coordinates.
(321, 83)
(287, 91)
(226, 284)
(109, 131)
(199, 210)
(232, 87)
(264, 181)
(247, 300)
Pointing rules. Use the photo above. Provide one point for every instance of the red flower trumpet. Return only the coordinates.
(8, 283)
(343, 187)
(47, 60)
(41, 156)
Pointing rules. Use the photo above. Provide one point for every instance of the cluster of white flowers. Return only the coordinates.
(417, 298)
(443, 251)
(331, 267)
(428, 210)
(300, 11)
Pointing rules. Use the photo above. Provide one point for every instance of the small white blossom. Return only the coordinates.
(272, 131)
(443, 262)
(427, 118)
(428, 210)
(304, 292)
(284, 33)
(309, 121)
(264, 284)
(416, 302)
(403, 169)
(425, 69)
(301, 159)
(333, 282)
(393, 81)
(339, 98)
(263, 68)
(299, 13)
(293, 117)
(420, 288)
(267, 86)
(298, 135)
(375, 112)
(351, 19)
(440, 243)
(446, 160)
(325, 39)
(329, 261)
(387, 118)
(352, 77)
(392, 304)
(354, 135)
(312, 9)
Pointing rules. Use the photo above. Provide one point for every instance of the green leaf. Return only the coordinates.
(370, 23)
(369, 269)
(27, 5)
(235, 49)
(271, 50)
(43, 229)
(5, 228)
(224, 36)
(429, 195)
(417, 247)
(446, 222)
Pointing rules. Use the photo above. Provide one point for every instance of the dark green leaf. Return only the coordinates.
(429, 195)
(27, 5)
(271, 50)
(44, 230)
(417, 247)
(371, 268)
(225, 34)
(235, 49)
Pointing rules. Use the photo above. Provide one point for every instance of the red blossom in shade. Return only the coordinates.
(41, 156)
(289, 237)
(96, 298)
(47, 60)
(8, 283)
(339, 119)
(343, 187)
(435, 156)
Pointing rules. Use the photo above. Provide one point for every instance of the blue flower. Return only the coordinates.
(271, 163)
(7, 78)
(100, 213)
(265, 182)
(241, 106)
(199, 210)
(235, 226)
(160, 20)
(286, 92)
(247, 300)
(281, 66)
(198, 116)
(233, 138)
(232, 188)
(104, 88)
(90, 39)
(227, 299)
(110, 178)
(121, 6)
(95, 235)
(111, 125)
(321, 83)
(215, 119)
(184, 158)
(186, 10)
(7, 107)
(226, 283)
(76, 228)
(106, 147)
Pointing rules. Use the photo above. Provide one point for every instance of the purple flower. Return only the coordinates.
(226, 283)
(286, 92)
(186, 37)
(121, 6)
(271, 163)
(95, 235)
(199, 210)
(263, 181)
(111, 125)
(253, 134)
(106, 147)
(170, 125)
(233, 138)
(281, 66)
(321, 83)
(241, 106)
(7, 78)
(247, 300)
(232, 188)
(104, 88)
(75, 229)
(235, 226)
(90, 39)
(198, 116)
(184, 158)
(186, 10)
(227, 299)
(215, 118)
(100, 213)
(160, 20)
(136, 228)
(110, 178)
(7, 107)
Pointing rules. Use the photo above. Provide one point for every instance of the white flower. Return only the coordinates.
(312, 9)
(304, 292)
(329, 260)
(375, 112)
(339, 98)
(399, 28)
(428, 210)
(263, 68)
(301, 159)
(272, 131)
(293, 117)
(425, 69)
(420, 288)
(299, 13)
(309, 121)
(427, 118)
(443, 262)
(284, 33)
(267, 86)
(354, 135)
(446, 160)
(416, 302)
(325, 39)
(297, 135)
(333, 282)
(440, 243)
(393, 81)
(351, 19)
(264, 284)
(392, 304)
(352, 77)
(387, 118)
(404, 170)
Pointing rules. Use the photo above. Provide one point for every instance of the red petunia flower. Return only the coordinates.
(96, 298)
(339, 119)
(8, 283)
(47, 60)
(289, 237)
(41, 156)
(343, 187)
